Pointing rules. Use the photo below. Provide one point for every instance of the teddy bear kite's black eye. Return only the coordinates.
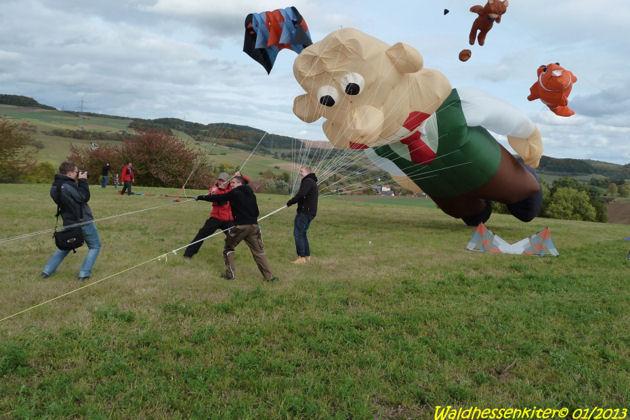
(327, 95)
(352, 83)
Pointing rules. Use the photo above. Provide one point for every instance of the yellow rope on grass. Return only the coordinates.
(163, 256)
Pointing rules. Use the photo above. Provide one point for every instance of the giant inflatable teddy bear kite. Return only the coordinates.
(412, 123)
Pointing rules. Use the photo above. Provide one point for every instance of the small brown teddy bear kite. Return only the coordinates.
(488, 14)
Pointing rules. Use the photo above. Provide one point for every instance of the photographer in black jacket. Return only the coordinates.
(74, 210)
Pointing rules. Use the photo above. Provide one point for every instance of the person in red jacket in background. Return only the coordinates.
(127, 177)
(220, 217)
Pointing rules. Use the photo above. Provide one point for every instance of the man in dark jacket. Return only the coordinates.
(245, 212)
(306, 199)
(220, 217)
(105, 175)
(72, 199)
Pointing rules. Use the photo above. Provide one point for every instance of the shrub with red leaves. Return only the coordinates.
(159, 160)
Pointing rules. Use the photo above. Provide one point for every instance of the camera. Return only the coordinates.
(81, 172)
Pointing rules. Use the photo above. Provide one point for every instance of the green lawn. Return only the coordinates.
(392, 318)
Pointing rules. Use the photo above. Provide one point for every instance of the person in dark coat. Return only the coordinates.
(105, 175)
(72, 200)
(245, 212)
(306, 199)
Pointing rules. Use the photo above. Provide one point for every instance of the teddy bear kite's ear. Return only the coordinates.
(405, 58)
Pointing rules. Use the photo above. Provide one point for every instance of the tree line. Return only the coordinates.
(88, 134)
(570, 199)
(583, 167)
(18, 100)
(235, 135)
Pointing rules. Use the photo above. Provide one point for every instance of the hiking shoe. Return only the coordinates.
(274, 278)
(83, 279)
(226, 277)
(299, 260)
(44, 275)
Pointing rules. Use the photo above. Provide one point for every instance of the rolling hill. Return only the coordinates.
(56, 129)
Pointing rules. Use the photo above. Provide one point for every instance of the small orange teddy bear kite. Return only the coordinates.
(553, 87)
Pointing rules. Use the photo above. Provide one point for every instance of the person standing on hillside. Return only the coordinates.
(220, 217)
(245, 211)
(105, 175)
(306, 199)
(127, 177)
(72, 200)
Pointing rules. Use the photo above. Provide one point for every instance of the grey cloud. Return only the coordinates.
(582, 137)
(134, 59)
(606, 103)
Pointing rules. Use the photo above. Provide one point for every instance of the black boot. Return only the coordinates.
(481, 217)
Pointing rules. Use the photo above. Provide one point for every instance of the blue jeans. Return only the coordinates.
(104, 182)
(90, 235)
(300, 226)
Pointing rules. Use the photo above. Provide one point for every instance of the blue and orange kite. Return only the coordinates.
(267, 33)
(539, 244)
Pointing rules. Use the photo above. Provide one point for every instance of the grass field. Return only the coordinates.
(392, 318)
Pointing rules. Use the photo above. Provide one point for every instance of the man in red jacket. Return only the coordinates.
(127, 177)
(220, 217)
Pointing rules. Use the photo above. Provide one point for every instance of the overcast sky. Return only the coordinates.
(184, 59)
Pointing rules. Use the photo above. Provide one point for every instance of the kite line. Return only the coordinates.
(161, 257)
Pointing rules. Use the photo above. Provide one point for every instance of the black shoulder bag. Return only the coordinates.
(69, 238)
